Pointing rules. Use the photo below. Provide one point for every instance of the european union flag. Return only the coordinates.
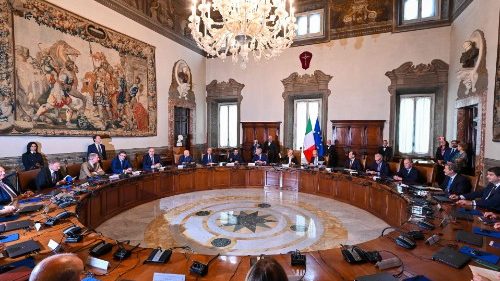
(318, 139)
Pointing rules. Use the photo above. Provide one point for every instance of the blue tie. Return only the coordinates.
(450, 181)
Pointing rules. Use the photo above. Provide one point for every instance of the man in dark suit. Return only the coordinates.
(488, 197)
(8, 195)
(352, 162)
(255, 145)
(151, 160)
(209, 158)
(235, 157)
(120, 164)
(185, 158)
(379, 167)
(97, 147)
(50, 176)
(32, 159)
(450, 153)
(290, 159)
(259, 158)
(386, 151)
(455, 183)
(408, 174)
(331, 151)
(315, 159)
(272, 149)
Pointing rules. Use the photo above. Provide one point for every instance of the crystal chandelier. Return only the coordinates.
(238, 27)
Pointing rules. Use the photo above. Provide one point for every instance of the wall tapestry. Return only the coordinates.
(65, 75)
(496, 103)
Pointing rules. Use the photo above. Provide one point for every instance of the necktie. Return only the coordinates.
(289, 160)
(9, 191)
(449, 185)
(209, 158)
(315, 160)
(121, 164)
(98, 148)
(350, 165)
(260, 157)
(54, 177)
(409, 171)
(152, 160)
(491, 192)
(378, 167)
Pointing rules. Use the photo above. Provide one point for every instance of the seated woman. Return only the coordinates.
(32, 159)
(8, 195)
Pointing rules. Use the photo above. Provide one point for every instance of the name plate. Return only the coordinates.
(251, 164)
(98, 263)
(136, 173)
(180, 166)
(230, 164)
(285, 165)
(114, 177)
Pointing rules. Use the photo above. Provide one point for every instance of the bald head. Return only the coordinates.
(65, 267)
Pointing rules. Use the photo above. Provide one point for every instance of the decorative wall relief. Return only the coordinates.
(72, 76)
(496, 102)
(473, 74)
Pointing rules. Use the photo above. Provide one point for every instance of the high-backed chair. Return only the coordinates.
(298, 156)
(73, 169)
(474, 180)
(394, 166)
(139, 157)
(427, 173)
(27, 179)
(106, 166)
(176, 158)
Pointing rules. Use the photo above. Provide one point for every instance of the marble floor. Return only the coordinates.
(244, 222)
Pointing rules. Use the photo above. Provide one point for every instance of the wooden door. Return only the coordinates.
(181, 125)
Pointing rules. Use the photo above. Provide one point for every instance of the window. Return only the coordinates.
(304, 108)
(310, 24)
(414, 124)
(420, 10)
(228, 125)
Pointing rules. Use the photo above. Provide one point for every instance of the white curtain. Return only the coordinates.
(223, 126)
(228, 126)
(405, 136)
(422, 124)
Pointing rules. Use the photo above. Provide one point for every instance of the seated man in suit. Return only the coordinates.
(151, 161)
(315, 159)
(50, 176)
(455, 183)
(235, 157)
(91, 168)
(489, 197)
(290, 159)
(209, 158)
(120, 164)
(379, 167)
(353, 163)
(407, 174)
(259, 158)
(386, 151)
(185, 158)
(331, 151)
(97, 147)
(8, 195)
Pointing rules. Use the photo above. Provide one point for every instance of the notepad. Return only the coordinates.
(168, 277)
(486, 232)
(470, 211)
(485, 256)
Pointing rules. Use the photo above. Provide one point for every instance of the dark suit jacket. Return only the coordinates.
(448, 154)
(384, 169)
(263, 157)
(204, 160)
(459, 186)
(285, 160)
(44, 178)
(333, 157)
(272, 151)
(356, 165)
(234, 158)
(487, 200)
(117, 167)
(146, 161)
(93, 149)
(440, 154)
(387, 154)
(184, 159)
(320, 158)
(31, 159)
(4, 196)
(409, 178)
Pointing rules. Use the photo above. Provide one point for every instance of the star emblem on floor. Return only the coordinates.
(248, 220)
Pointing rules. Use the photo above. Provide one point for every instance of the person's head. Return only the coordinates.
(454, 143)
(151, 151)
(270, 138)
(378, 157)
(258, 151)
(329, 142)
(442, 141)
(235, 151)
(122, 155)
(186, 153)
(209, 150)
(96, 139)
(266, 269)
(493, 175)
(315, 153)
(408, 163)
(290, 152)
(32, 147)
(255, 141)
(93, 158)
(352, 154)
(65, 267)
(462, 147)
(386, 143)
(450, 169)
(2, 173)
(55, 165)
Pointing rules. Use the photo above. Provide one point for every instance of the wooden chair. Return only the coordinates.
(298, 156)
(474, 181)
(363, 162)
(73, 170)
(427, 173)
(176, 158)
(106, 166)
(394, 167)
(139, 157)
(27, 179)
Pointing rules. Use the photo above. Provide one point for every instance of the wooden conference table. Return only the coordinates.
(381, 199)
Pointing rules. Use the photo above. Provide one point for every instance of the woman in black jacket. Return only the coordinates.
(32, 159)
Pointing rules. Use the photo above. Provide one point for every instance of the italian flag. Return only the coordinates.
(309, 144)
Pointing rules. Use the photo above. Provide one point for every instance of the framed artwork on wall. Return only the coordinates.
(63, 74)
